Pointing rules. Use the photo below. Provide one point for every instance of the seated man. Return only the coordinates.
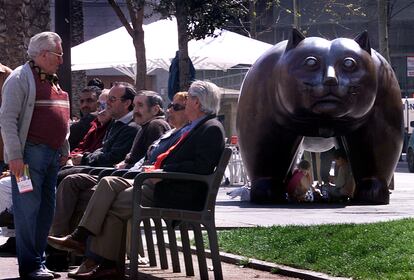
(121, 132)
(344, 183)
(88, 103)
(149, 114)
(94, 137)
(198, 151)
(74, 191)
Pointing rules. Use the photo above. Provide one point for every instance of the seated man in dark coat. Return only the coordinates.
(88, 103)
(198, 151)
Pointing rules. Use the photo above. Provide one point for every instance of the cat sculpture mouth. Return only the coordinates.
(329, 105)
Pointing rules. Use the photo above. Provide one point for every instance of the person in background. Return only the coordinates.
(97, 83)
(343, 186)
(300, 182)
(88, 102)
(34, 118)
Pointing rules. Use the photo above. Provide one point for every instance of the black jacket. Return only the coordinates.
(150, 132)
(198, 153)
(116, 145)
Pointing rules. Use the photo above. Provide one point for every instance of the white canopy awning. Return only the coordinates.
(116, 49)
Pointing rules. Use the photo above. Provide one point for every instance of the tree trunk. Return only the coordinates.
(383, 29)
(136, 14)
(19, 21)
(184, 60)
(296, 14)
(139, 44)
(78, 77)
(253, 16)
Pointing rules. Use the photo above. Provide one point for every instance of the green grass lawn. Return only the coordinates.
(362, 251)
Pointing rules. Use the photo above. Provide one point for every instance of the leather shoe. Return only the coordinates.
(66, 243)
(39, 274)
(100, 272)
(6, 219)
(55, 274)
(87, 266)
(8, 248)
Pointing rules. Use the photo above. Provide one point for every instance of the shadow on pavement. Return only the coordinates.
(312, 205)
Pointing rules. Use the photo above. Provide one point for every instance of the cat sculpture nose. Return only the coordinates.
(330, 78)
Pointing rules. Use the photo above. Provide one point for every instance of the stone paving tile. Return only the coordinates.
(9, 271)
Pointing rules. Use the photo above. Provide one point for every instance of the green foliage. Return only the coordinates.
(203, 16)
(244, 262)
(364, 251)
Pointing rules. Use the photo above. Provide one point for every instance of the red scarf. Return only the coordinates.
(161, 157)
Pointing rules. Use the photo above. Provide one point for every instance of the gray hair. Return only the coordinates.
(45, 41)
(208, 94)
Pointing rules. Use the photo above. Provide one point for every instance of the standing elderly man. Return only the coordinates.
(34, 119)
(198, 151)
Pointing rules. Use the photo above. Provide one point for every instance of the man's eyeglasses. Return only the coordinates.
(176, 107)
(114, 98)
(57, 54)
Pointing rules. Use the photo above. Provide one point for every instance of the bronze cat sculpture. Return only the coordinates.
(308, 89)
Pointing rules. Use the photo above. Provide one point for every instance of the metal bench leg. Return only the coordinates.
(189, 269)
(201, 254)
(150, 243)
(161, 243)
(133, 265)
(215, 254)
(172, 240)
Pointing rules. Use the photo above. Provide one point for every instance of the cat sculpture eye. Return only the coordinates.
(311, 61)
(349, 63)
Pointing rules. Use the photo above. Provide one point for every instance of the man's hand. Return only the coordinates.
(16, 167)
(77, 159)
(63, 160)
(120, 165)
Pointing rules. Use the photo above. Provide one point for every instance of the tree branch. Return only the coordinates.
(122, 17)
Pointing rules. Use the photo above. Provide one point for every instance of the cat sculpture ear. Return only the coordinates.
(363, 41)
(294, 39)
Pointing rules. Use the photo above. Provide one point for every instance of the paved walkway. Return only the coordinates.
(234, 213)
